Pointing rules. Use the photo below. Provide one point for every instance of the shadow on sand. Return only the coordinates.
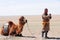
(27, 36)
(57, 38)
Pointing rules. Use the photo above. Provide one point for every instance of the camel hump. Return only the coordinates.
(6, 24)
(6, 27)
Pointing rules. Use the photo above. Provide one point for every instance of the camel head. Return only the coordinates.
(22, 20)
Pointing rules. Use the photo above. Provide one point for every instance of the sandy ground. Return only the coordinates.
(32, 30)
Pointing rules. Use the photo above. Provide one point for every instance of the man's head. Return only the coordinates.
(46, 11)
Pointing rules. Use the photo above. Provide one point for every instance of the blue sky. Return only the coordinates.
(28, 7)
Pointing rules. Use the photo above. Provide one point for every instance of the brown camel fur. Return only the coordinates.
(14, 29)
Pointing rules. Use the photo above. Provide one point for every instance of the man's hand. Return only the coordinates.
(50, 16)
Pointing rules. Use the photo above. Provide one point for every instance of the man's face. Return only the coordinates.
(46, 10)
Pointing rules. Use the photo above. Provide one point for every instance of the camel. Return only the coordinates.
(10, 28)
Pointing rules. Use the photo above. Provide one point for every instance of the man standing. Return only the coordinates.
(46, 21)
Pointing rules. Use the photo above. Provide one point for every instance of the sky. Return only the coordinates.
(28, 7)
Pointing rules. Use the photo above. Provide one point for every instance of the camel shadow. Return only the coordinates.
(27, 36)
(22, 36)
(54, 38)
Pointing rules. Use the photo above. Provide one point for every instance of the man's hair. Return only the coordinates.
(45, 12)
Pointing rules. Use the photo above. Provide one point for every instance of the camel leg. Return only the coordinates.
(10, 31)
(18, 33)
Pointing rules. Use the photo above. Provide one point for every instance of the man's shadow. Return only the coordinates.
(53, 38)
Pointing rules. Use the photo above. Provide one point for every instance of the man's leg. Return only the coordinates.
(46, 34)
(42, 33)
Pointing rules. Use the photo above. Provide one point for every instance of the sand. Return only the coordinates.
(32, 29)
